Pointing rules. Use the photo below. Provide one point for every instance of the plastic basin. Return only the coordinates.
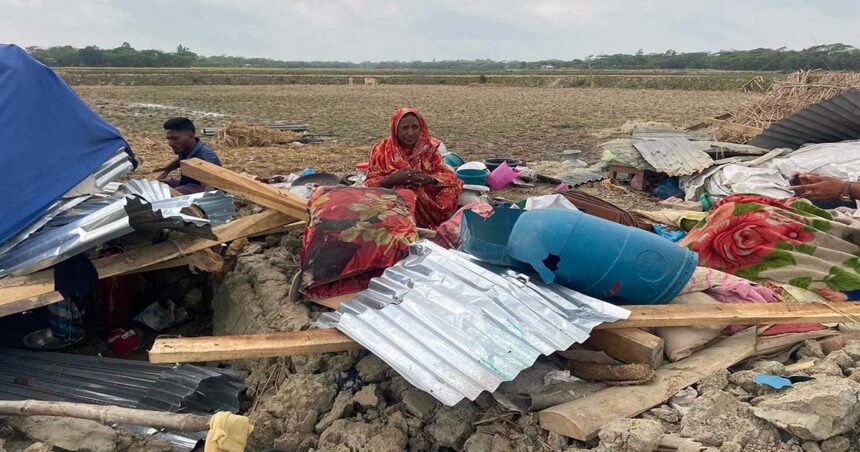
(473, 177)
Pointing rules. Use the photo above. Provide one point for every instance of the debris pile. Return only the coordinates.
(239, 134)
(558, 322)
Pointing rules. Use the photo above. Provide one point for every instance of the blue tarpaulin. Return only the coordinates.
(50, 140)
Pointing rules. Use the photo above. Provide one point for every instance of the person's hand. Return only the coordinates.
(817, 187)
(399, 177)
(417, 178)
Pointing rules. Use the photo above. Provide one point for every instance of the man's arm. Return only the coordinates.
(817, 187)
(167, 169)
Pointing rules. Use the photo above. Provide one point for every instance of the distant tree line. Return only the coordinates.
(830, 56)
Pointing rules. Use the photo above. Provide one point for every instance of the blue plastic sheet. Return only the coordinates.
(668, 234)
(50, 140)
(773, 381)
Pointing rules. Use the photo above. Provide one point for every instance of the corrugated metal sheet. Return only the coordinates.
(675, 156)
(150, 190)
(116, 166)
(721, 149)
(103, 219)
(621, 152)
(131, 384)
(656, 133)
(829, 121)
(455, 327)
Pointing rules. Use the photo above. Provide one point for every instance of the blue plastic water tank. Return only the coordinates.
(600, 258)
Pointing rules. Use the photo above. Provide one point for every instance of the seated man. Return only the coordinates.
(409, 158)
(180, 137)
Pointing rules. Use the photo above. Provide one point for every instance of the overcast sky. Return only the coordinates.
(374, 30)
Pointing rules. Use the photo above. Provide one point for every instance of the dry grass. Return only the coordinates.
(798, 91)
(240, 134)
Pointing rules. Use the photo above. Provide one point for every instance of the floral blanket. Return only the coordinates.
(352, 236)
(787, 241)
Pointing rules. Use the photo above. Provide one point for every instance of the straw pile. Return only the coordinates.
(800, 90)
(237, 134)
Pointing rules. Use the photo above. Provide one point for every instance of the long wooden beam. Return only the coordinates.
(258, 192)
(652, 316)
(21, 287)
(215, 348)
(206, 260)
(747, 131)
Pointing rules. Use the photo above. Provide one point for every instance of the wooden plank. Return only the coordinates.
(583, 418)
(205, 260)
(258, 192)
(172, 249)
(630, 345)
(199, 349)
(747, 131)
(334, 302)
(282, 229)
(18, 288)
(736, 314)
(30, 303)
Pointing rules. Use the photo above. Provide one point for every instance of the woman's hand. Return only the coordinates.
(407, 177)
(399, 177)
(418, 178)
(817, 187)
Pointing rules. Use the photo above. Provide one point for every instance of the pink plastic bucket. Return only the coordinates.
(501, 176)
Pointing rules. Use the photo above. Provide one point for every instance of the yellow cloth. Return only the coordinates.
(227, 433)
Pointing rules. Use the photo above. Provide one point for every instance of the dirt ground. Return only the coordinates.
(477, 122)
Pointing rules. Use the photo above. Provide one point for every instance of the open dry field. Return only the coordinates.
(476, 121)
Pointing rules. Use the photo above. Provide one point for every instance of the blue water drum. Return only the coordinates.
(600, 258)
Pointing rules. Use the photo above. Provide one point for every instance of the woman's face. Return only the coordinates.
(408, 130)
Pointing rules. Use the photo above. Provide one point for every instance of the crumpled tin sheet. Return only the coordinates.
(657, 133)
(150, 190)
(100, 220)
(620, 151)
(675, 156)
(828, 121)
(116, 166)
(454, 327)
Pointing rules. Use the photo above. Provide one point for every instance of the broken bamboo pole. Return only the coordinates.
(106, 414)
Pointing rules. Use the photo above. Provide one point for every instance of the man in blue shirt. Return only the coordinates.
(180, 134)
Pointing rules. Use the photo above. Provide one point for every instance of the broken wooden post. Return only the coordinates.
(583, 418)
(629, 345)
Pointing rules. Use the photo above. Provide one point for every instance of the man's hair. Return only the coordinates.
(180, 124)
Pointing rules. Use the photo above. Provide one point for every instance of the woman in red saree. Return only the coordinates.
(409, 158)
